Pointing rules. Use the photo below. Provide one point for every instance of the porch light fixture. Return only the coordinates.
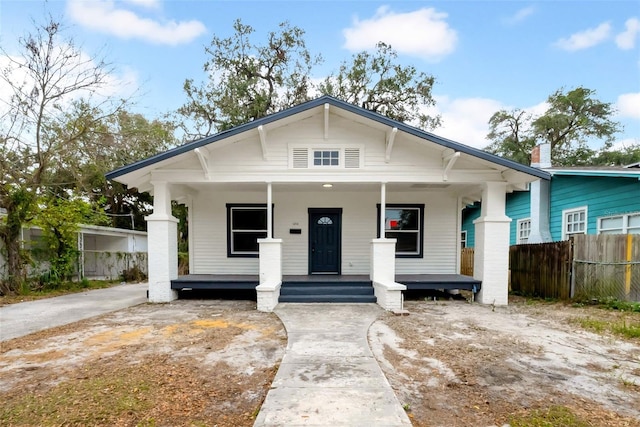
(327, 185)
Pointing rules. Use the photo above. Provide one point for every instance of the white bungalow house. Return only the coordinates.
(299, 198)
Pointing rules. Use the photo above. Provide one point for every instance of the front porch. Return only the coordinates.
(250, 282)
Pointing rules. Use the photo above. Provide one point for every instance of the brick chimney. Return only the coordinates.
(541, 156)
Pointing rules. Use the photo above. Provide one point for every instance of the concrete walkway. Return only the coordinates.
(328, 376)
(23, 318)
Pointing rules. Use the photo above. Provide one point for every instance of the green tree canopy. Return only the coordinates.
(247, 80)
(571, 120)
(376, 82)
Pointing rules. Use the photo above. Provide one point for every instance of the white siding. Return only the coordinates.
(359, 226)
(245, 155)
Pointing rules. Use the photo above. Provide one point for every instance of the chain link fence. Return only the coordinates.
(598, 280)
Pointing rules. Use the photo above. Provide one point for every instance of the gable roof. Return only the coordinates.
(326, 99)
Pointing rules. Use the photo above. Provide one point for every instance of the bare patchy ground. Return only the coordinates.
(210, 362)
(459, 364)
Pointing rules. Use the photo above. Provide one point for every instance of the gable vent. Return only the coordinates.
(351, 158)
(300, 157)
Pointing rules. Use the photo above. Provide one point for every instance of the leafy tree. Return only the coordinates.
(125, 138)
(570, 121)
(37, 135)
(59, 218)
(509, 131)
(619, 157)
(377, 83)
(53, 132)
(248, 81)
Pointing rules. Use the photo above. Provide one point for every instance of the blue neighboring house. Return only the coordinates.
(577, 200)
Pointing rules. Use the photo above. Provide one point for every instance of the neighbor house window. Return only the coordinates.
(524, 230)
(620, 224)
(245, 225)
(463, 239)
(574, 221)
(404, 223)
(326, 158)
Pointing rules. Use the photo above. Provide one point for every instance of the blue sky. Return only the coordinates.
(485, 55)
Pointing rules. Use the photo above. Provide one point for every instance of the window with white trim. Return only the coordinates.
(620, 224)
(246, 223)
(326, 158)
(463, 239)
(524, 230)
(405, 223)
(305, 157)
(574, 221)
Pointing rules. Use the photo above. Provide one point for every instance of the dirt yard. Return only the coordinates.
(210, 363)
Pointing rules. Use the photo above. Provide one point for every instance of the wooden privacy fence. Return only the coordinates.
(606, 266)
(466, 262)
(542, 269)
(585, 267)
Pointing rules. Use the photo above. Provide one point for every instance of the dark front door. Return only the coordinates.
(324, 241)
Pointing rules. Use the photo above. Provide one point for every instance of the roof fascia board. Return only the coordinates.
(596, 173)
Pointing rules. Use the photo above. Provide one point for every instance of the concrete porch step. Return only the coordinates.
(344, 291)
(326, 289)
(328, 298)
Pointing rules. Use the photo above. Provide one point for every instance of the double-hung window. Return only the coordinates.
(405, 223)
(574, 221)
(524, 230)
(246, 223)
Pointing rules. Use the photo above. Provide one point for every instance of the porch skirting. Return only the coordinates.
(389, 295)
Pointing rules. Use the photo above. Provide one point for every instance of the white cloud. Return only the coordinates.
(104, 16)
(519, 16)
(585, 39)
(465, 120)
(150, 4)
(628, 105)
(423, 33)
(627, 39)
(625, 144)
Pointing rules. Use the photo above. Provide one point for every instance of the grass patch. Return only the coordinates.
(550, 417)
(90, 401)
(623, 327)
(610, 304)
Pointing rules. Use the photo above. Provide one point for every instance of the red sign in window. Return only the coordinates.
(393, 223)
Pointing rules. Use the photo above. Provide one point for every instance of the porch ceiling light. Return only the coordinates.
(327, 185)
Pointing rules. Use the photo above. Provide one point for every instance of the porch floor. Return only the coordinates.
(250, 281)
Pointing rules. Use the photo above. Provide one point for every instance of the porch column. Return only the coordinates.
(491, 258)
(270, 253)
(268, 291)
(269, 211)
(162, 234)
(383, 264)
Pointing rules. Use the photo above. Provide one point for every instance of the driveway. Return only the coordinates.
(17, 320)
